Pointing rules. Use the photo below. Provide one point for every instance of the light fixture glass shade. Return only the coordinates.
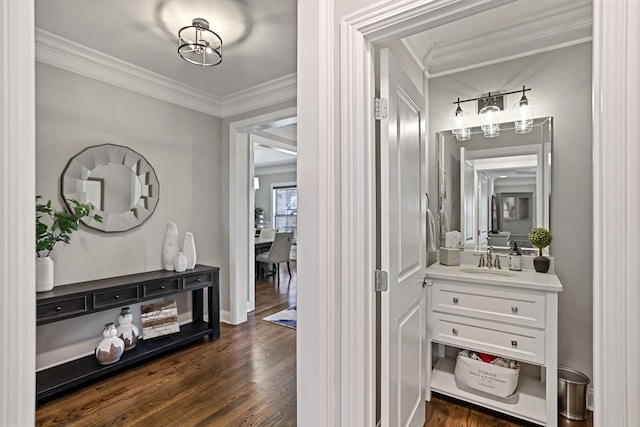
(464, 134)
(525, 111)
(490, 125)
(458, 120)
(256, 183)
(199, 45)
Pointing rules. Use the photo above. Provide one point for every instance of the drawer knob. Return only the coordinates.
(199, 280)
(455, 331)
(117, 297)
(514, 309)
(162, 287)
(514, 343)
(455, 300)
(58, 308)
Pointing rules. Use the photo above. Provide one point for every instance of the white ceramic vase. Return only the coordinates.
(44, 274)
(127, 331)
(110, 349)
(170, 246)
(189, 250)
(180, 262)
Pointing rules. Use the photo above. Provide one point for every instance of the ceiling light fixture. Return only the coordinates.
(488, 107)
(199, 45)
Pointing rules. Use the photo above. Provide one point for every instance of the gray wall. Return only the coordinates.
(264, 197)
(74, 112)
(561, 87)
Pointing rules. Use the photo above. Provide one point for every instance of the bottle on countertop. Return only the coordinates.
(515, 257)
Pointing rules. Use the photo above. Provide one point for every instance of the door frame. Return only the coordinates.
(360, 33)
(241, 203)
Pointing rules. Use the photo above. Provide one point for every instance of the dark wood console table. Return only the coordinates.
(83, 298)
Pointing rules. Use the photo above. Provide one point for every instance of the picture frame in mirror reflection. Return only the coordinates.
(495, 190)
(118, 181)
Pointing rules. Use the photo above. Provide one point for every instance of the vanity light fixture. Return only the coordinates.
(525, 110)
(490, 125)
(199, 45)
(488, 107)
(458, 124)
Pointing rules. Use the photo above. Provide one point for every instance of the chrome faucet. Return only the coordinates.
(489, 259)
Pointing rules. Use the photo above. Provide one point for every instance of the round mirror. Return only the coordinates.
(119, 182)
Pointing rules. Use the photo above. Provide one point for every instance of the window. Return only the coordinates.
(286, 209)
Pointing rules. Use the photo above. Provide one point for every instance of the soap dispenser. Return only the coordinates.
(515, 257)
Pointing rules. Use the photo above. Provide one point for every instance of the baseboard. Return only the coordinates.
(590, 398)
(225, 317)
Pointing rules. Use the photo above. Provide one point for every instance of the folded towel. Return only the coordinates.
(431, 232)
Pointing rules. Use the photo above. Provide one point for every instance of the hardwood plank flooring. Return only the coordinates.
(246, 378)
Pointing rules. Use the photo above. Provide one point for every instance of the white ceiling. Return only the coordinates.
(518, 29)
(259, 44)
(139, 33)
(266, 156)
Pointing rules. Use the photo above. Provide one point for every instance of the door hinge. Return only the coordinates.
(380, 110)
(381, 281)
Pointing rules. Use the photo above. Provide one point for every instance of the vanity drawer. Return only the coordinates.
(61, 309)
(160, 287)
(516, 307)
(197, 281)
(115, 297)
(509, 341)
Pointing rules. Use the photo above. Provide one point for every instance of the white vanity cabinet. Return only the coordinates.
(514, 316)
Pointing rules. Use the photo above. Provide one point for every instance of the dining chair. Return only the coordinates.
(279, 252)
(268, 233)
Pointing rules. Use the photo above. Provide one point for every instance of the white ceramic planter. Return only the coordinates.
(44, 274)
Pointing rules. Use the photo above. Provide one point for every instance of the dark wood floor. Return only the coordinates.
(246, 378)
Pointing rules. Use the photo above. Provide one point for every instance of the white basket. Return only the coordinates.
(489, 380)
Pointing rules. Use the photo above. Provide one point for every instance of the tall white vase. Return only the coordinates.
(170, 246)
(44, 274)
(189, 250)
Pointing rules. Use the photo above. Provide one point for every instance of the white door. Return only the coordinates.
(402, 249)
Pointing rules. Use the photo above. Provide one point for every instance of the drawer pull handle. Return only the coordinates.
(514, 309)
(117, 297)
(455, 300)
(162, 287)
(455, 331)
(514, 343)
(58, 308)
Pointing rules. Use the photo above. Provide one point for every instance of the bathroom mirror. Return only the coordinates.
(495, 190)
(119, 182)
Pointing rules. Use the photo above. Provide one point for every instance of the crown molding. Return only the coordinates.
(563, 26)
(63, 53)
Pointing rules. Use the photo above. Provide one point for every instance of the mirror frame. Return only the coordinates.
(546, 144)
(77, 174)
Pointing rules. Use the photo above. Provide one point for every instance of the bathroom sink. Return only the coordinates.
(487, 271)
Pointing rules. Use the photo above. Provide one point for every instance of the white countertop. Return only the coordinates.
(529, 279)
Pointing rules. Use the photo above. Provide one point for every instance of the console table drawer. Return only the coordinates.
(507, 306)
(53, 310)
(514, 342)
(160, 288)
(197, 281)
(115, 297)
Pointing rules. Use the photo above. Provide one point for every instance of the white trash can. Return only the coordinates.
(572, 393)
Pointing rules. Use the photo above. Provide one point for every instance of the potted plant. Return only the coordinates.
(540, 238)
(52, 227)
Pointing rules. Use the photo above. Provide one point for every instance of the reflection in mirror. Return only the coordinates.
(495, 190)
(119, 182)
